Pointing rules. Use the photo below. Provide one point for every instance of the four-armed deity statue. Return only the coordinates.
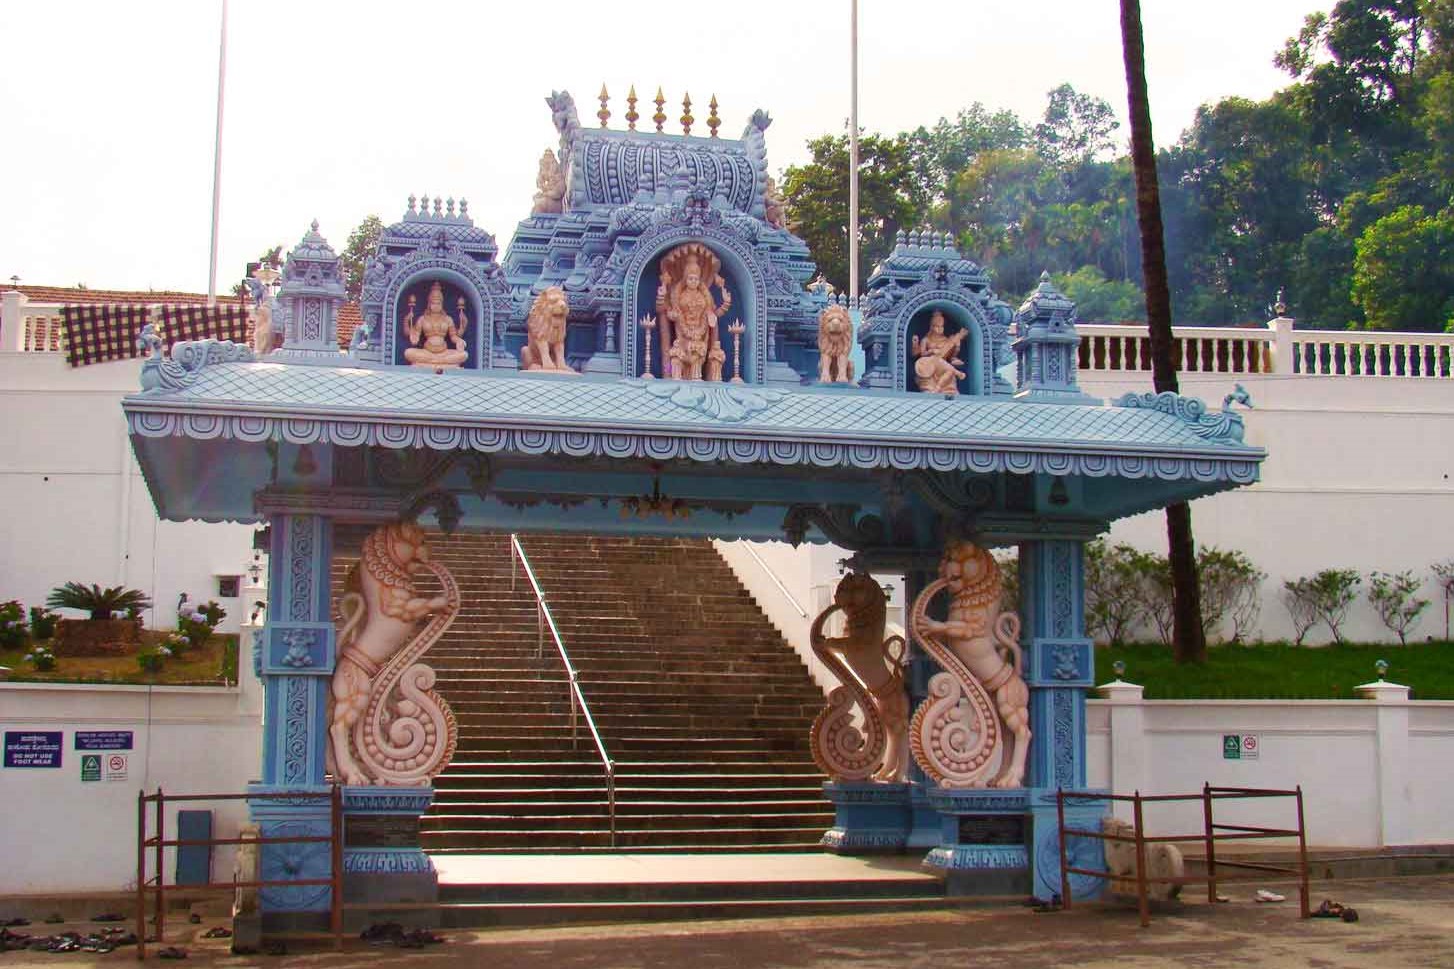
(936, 358)
(435, 338)
(691, 347)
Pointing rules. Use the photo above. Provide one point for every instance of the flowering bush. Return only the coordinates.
(12, 625)
(42, 623)
(150, 660)
(196, 623)
(42, 659)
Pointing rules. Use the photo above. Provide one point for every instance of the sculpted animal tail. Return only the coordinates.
(839, 748)
(954, 744)
(408, 733)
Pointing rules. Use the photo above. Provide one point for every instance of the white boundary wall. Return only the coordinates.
(62, 834)
(1373, 771)
(76, 507)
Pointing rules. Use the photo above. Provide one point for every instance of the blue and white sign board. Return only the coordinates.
(33, 748)
(103, 740)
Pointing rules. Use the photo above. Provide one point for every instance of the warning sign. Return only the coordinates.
(90, 767)
(116, 767)
(1240, 746)
(38, 748)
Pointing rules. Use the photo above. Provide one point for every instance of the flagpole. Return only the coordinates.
(853, 155)
(217, 161)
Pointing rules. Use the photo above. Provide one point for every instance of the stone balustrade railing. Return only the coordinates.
(1274, 349)
(27, 327)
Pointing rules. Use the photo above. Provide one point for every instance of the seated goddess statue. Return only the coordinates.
(936, 358)
(688, 312)
(434, 339)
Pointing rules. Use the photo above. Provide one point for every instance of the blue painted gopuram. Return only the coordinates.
(543, 389)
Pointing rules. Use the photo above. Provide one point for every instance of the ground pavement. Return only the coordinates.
(1406, 921)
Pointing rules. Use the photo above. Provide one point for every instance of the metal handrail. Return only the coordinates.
(775, 580)
(578, 705)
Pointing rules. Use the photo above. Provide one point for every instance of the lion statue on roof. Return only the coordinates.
(545, 345)
(835, 341)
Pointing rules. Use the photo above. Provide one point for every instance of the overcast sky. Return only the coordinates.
(339, 109)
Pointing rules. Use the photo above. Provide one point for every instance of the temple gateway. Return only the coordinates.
(652, 330)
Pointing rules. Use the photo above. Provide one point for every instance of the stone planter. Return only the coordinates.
(96, 637)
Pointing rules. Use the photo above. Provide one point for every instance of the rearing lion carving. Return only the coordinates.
(386, 724)
(980, 702)
(873, 680)
(545, 344)
(835, 342)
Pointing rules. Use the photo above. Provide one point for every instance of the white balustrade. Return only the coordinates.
(27, 327)
(1276, 349)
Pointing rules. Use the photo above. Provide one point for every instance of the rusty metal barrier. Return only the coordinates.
(1212, 832)
(159, 843)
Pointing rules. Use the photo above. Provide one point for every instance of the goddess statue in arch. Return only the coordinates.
(434, 338)
(690, 346)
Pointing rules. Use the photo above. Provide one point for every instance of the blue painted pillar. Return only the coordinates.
(294, 658)
(1059, 668)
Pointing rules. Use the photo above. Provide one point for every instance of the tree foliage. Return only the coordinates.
(361, 244)
(1336, 188)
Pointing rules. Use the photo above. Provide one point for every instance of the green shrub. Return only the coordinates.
(152, 659)
(1323, 596)
(42, 659)
(12, 625)
(42, 623)
(1394, 598)
(1113, 607)
(1231, 588)
(196, 625)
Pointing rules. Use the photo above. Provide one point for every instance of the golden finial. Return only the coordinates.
(631, 114)
(713, 121)
(605, 113)
(687, 118)
(660, 116)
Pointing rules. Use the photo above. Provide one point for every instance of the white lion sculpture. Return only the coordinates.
(545, 332)
(1162, 861)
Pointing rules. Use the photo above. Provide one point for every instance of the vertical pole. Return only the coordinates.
(1302, 853)
(141, 874)
(1064, 851)
(161, 866)
(217, 161)
(853, 157)
(1141, 901)
(1210, 840)
(335, 914)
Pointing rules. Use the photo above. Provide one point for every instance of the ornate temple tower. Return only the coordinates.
(311, 294)
(1047, 347)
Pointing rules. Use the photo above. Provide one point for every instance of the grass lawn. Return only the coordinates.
(212, 665)
(1282, 672)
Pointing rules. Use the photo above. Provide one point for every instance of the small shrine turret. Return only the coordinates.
(311, 293)
(1046, 347)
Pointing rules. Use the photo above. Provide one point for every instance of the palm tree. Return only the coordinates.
(99, 602)
(1188, 640)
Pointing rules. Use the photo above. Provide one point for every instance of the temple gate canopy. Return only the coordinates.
(648, 357)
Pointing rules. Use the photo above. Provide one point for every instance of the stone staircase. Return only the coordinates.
(701, 704)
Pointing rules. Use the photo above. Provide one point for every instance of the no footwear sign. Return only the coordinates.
(1240, 746)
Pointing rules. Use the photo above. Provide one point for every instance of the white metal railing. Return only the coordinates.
(578, 706)
(792, 600)
(1277, 349)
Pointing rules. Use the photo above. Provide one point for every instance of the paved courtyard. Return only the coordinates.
(1404, 922)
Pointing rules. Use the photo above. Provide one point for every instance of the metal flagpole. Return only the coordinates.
(217, 161)
(853, 157)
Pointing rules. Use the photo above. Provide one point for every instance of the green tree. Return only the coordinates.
(1101, 300)
(1076, 129)
(361, 244)
(891, 195)
(1403, 276)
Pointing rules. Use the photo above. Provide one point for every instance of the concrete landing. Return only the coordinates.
(666, 869)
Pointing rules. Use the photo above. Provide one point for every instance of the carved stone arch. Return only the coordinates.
(461, 273)
(961, 309)
(733, 252)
